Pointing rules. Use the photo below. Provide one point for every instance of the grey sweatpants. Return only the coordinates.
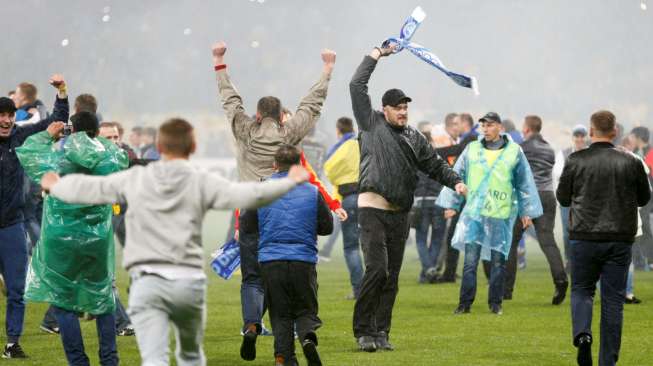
(154, 304)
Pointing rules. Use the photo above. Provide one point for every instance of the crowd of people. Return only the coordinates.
(465, 186)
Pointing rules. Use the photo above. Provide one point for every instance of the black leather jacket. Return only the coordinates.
(391, 156)
(603, 186)
(541, 158)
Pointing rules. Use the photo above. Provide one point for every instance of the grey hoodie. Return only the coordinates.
(167, 202)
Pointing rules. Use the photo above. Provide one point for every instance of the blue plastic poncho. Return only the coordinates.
(73, 263)
(475, 225)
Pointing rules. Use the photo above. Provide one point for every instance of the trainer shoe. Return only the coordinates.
(248, 347)
(496, 309)
(463, 309)
(13, 350)
(560, 293)
(584, 356)
(367, 344)
(310, 352)
(126, 332)
(381, 342)
(48, 329)
(632, 300)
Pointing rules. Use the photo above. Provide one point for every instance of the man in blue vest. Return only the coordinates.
(287, 253)
(501, 188)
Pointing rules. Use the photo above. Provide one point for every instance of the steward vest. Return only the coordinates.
(489, 179)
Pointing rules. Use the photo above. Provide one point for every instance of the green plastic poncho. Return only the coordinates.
(73, 263)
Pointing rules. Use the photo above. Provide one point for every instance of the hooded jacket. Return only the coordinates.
(391, 156)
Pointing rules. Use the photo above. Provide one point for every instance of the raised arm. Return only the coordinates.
(221, 193)
(360, 99)
(308, 112)
(232, 103)
(59, 113)
(88, 189)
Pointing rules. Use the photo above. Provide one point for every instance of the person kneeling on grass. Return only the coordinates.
(288, 253)
(163, 251)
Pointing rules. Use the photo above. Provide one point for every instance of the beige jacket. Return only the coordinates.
(258, 142)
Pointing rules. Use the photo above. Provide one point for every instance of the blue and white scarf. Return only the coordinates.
(405, 35)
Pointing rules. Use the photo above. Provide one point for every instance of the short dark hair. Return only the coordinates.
(85, 121)
(11, 92)
(85, 103)
(107, 124)
(151, 131)
(286, 157)
(604, 122)
(467, 118)
(345, 125)
(533, 122)
(449, 118)
(176, 137)
(508, 125)
(642, 133)
(269, 107)
(29, 90)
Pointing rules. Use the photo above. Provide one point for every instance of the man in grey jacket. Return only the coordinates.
(163, 251)
(258, 139)
(541, 158)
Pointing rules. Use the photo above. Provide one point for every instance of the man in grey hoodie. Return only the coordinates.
(163, 251)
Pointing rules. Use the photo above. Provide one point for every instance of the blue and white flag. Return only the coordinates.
(226, 260)
(407, 31)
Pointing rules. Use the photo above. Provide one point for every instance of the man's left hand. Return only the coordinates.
(526, 222)
(48, 181)
(461, 189)
(341, 213)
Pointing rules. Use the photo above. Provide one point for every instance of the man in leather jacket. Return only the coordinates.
(603, 187)
(391, 154)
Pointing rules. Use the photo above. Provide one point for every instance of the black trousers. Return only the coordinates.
(291, 296)
(383, 237)
(609, 262)
(544, 229)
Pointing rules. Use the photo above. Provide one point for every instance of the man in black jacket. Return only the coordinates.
(603, 187)
(391, 154)
(541, 158)
(13, 248)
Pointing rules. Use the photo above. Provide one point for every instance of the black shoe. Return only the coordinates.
(126, 332)
(248, 348)
(496, 309)
(49, 329)
(445, 279)
(463, 309)
(632, 300)
(367, 344)
(381, 342)
(584, 344)
(560, 293)
(507, 296)
(13, 351)
(310, 352)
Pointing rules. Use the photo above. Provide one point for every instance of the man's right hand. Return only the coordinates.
(449, 213)
(219, 49)
(48, 180)
(55, 129)
(379, 52)
(298, 174)
(329, 59)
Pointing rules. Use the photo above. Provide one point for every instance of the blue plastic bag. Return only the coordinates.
(227, 259)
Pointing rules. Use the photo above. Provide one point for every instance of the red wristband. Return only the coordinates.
(220, 67)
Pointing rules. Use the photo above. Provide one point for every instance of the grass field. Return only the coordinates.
(531, 331)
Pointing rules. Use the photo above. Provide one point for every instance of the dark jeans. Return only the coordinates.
(468, 285)
(13, 264)
(351, 242)
(430, 217)
(251, 289)
(544, 230)
(643, 248)
(609, 262)
(564, 218)
(73, 344)
(383, 239)
(453, 254)
(291, 295)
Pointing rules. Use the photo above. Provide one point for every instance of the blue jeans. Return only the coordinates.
(591, 261)
(13, 264)
(252, 296)
(351, 242)
(430, 217)
(73, 344)
(497, 274)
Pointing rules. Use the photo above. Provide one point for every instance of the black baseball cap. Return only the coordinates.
(394, 97)
(491, 117)
(7, 105)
